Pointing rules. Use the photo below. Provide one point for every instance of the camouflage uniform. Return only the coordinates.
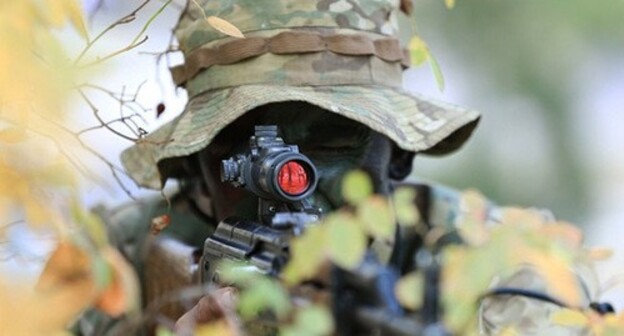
(344, 56)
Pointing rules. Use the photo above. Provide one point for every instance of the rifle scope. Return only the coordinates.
(272, 169)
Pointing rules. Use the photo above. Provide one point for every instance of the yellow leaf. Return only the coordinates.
(13, 135)
(347, 241)
(217, 328)
(307, 254)
(557, 273)
(224, 27)
(508, 331)
(419, 52)
(377, 217)
(405, 207)
(569, 318)
(471, 225)
(409, 290)
(356, 186)
(74, 12)
(450, 4)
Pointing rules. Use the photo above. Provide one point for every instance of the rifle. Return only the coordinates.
(363, 300)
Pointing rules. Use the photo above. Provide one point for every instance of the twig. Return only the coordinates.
(6, 226)
(100, 120)
(126, 19)
(113, 168)
(115, 53)
(150, 20)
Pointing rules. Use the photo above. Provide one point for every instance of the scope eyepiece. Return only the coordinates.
(271, 169)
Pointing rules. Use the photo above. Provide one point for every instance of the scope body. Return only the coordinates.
(272, 170)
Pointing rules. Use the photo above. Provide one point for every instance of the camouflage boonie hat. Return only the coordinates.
(341, 55)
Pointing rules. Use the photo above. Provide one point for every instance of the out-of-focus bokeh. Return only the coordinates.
(547, 76)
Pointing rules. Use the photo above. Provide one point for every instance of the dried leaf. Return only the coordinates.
(224, 27)
(66, 284)
(122, 293)
(159, 223)
(407, 6)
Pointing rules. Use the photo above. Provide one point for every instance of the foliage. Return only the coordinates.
(38, 177)
(419, 54)
(497, 243)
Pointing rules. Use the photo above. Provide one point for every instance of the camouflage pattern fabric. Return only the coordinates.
(364, 87)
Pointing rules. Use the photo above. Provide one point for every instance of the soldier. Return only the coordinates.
(329, 74)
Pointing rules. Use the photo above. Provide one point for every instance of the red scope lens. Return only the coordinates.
(293, 178)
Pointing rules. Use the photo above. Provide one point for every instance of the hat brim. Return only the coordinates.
(414, 123)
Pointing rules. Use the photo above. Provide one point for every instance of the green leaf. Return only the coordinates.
(418, 51)
(356, 186)
(437, 72)
(102, 271)
(311, 320)
(347, 241)
(238, 273)
(377, 217)
(409, 290)
(93, 225)
(264, 294)
(162, 331)
(404, 207)
(307, 253)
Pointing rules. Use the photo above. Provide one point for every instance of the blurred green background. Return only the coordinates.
(548, 78)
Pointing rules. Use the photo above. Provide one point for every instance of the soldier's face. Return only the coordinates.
(336, 145)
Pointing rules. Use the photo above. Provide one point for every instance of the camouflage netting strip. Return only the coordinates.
(387, 49)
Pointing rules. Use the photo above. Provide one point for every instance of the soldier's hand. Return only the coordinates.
(220, 304)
